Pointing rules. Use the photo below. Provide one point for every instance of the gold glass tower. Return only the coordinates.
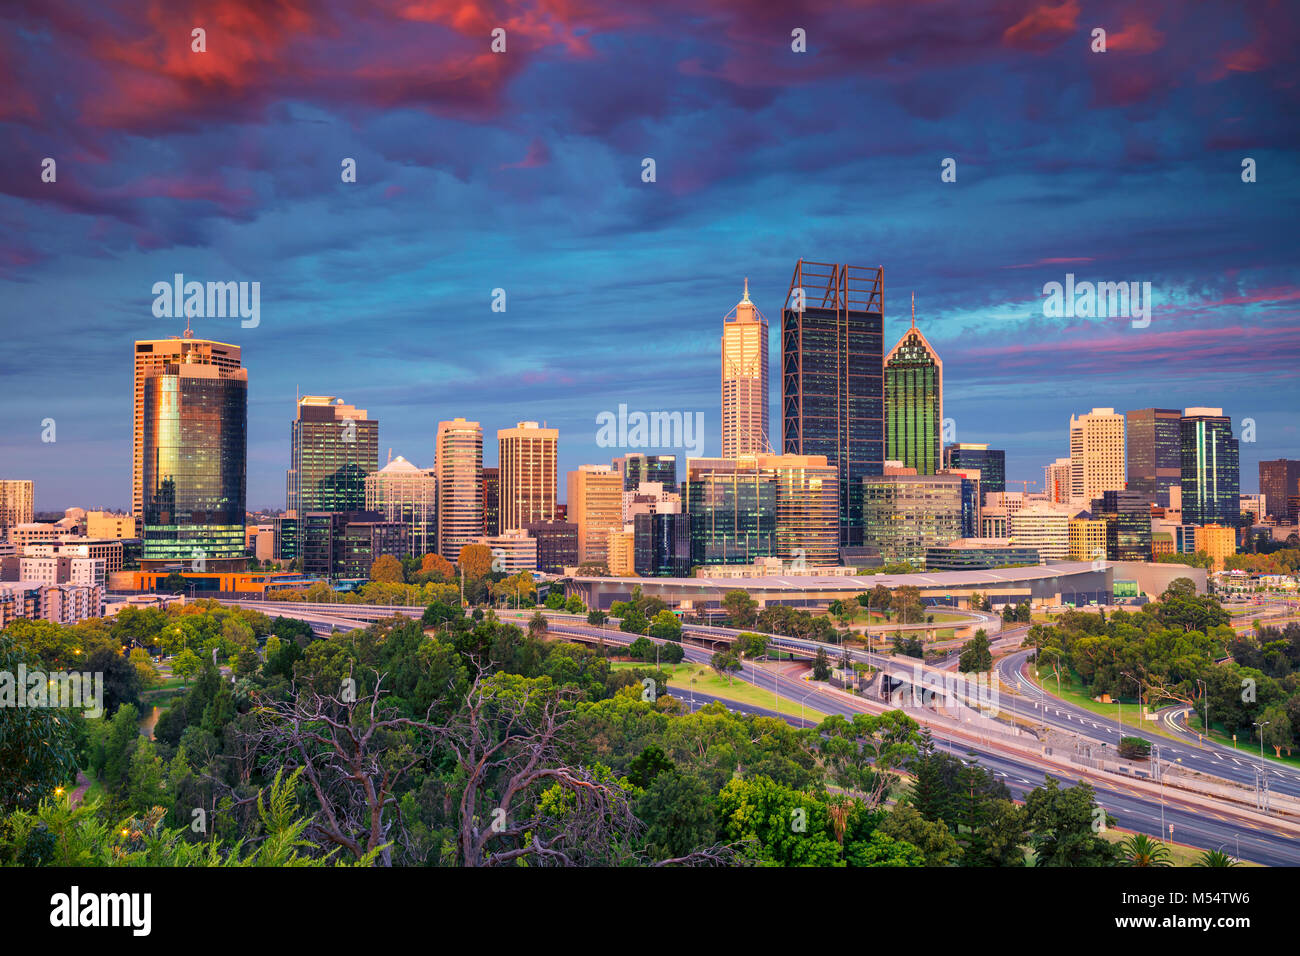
(744, 380)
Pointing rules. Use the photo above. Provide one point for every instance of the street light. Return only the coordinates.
(1261, 741)
(1205, 699)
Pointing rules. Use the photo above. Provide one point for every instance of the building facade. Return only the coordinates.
(832, 394)
(1043, 527)
(491, 501)
(661, 545)
(745, 407)
(1096, 454)
(1128, 524)
(1211, 474)
(404, 494)
(732, 510)
(1154, 443)
(17, 503)
(333, 447)
(1279, 482)
(906, 515)
(913, 382)
(557, 545)
(460, 486)
(637, 469)
(595, 500)
(529, 475)
(991, 463)
(193, 447)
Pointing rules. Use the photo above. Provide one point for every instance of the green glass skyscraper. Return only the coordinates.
(1211, 470)
(913, 402)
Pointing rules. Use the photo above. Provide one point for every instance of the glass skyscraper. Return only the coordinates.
(333, 447)
(636, 468)
(991, 462)
(906, 515)
(193, 445)
(832, 400)
(1211, 472)
(1154, 455)
(1128, 524)
(913, 403)
(732, 509)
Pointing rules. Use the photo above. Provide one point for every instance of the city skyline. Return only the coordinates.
(225, 169)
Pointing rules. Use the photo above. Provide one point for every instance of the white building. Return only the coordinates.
(406, 494)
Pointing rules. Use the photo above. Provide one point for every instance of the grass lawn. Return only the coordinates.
(708, 682)
(1179, 855)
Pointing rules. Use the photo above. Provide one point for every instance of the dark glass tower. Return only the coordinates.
(1154, 452)
(991, 462)
(1211, 475)
(491, 502)
(913, 402)
(832, 395)
(732, 509)
(1128, 524)
(333, 447)
(637, 468)
(194, 443)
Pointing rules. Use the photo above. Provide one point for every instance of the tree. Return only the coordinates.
(742, 610)
(976, 654)
(821, 669)
(38, 745)
(1134, 748)
(864, 754)
(666, 627)
(1215, 858)
(439, 613)
(597, 618)
(1061, 826)
(725, 664)
(475, 560)
(1277, 728)
(537, 626)
(437, 567)
(1141, 850)
(679, 812)
(186, 664)
(386, 568)
(933, 839)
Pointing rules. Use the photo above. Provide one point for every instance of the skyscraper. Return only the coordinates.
(732, 510)
(905, 515)
(156, 353)
(832, 401)
(595, 494)
(1128, 524)
(991, 463)
(1211, 477)
(913, 402)
(1279, 481)
(192, 447)
(745, 425)
(1154, 452)
(460, 486)
(529, 475)
(1096, 454)
(17, 503)
(333, 446)
(401, 493)
(1056, 481)
(491, 501)
(637, 467)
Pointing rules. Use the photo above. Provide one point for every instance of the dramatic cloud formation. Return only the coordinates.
(522, 171)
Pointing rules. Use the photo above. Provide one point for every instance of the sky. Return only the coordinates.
(523, 171)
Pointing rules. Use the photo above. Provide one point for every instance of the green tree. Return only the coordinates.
(742, 610)
(1061, 824)
(679, 811)
(821, 669)
(725, 663)
(932, 838)
(38, 745)
(1141, 850)
(666, 627)
(976, 654)
(186, 664)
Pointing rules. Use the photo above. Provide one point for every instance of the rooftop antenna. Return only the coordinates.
(746, 298)
(189, 332)
(390, 456)
(913, 308)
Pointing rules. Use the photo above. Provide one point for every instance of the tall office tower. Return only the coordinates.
(732, 509)
(460, 486)
(333, 446)
(905, 515)
(661, 545)
(1056, 481)
(595, 494)
(529, 476)
(404, 494)
(192, 448)
(1128, 524)
(1211, 473)
(1279, 481)
(807, 508)
(991, 462)
(491, 501)
(1154, 452)
(972, 499)
(832, 399)
(17, 503)
(745, 423)
(637, 468)
(1096, 454)
(157, 353)
(913, 402)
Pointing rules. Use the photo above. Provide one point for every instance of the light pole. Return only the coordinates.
(1261, 742)
(1205, 699)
